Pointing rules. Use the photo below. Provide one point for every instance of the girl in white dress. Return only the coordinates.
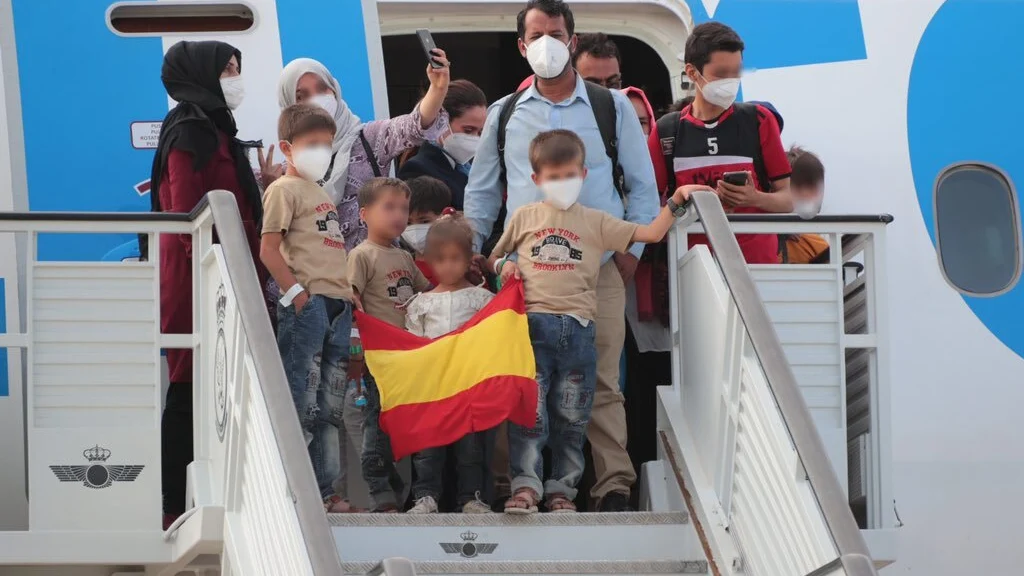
(449, 249)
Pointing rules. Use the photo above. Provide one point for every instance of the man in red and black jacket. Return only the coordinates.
(715, 135)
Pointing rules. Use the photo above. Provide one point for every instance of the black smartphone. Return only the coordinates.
(427, 41)
(735, 178)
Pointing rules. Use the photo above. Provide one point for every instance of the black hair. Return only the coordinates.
(596, 45)
(678, 105)
(428, 194)
(463, 95)
(553, 8)
(708, 38)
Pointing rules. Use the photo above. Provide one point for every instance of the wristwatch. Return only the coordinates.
(676, 210)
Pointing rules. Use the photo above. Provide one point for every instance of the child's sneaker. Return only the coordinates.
(425, 505)
(476, 506)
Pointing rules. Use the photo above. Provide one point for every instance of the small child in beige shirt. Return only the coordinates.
(558, 245)
(384, 278)
(303, 248)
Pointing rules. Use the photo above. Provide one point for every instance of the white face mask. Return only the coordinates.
(807, 209)
(234, 91)
(416, 236)
(721, 93)
(327, 101)
(462, 147)
(562, 193)
(547, 56)
(312, 162)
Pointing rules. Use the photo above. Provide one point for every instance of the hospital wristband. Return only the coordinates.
(290, 295)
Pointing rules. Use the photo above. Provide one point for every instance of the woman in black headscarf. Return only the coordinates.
(197, 152)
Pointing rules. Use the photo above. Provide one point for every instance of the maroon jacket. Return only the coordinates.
(181, 189)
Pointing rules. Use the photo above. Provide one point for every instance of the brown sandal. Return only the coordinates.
(523, 502)
(559, 504)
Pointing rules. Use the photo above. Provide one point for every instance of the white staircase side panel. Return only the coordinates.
(735, 434)
(93, 406)
(812, 340)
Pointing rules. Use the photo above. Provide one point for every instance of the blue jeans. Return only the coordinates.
(314, 345)
(469, 466)
(566, 376)
(378, 461)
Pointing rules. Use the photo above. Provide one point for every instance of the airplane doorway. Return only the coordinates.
(492, 61)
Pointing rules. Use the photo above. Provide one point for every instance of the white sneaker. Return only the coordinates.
(476, 506)
(425, 505)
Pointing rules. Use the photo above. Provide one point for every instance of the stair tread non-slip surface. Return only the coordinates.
(547, 567)
(540, 519)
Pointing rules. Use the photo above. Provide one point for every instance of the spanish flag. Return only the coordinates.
(434, 392)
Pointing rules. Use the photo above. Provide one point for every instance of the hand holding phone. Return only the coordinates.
(429, 48)
(735, 178)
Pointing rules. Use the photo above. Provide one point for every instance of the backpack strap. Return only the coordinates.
(370, 156)
(603, 104)
(749, 113)
(668, 129)
(506, 114)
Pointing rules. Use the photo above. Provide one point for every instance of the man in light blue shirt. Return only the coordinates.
(558, 99)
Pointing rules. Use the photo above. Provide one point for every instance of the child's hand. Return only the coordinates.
(300, 301)
(357, 302)
(509, 270)
(355, 361)
(682, 194)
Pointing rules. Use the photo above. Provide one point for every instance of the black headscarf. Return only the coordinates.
(191, 73)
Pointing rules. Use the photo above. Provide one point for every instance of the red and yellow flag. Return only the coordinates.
(434, 392)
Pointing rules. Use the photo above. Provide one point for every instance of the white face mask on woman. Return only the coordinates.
(562, 194)
(547, 56)
(461, 147)
(327, 101)
(234, 91)
(312, 162)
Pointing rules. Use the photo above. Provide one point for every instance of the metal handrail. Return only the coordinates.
(782, 383)
(284, 424)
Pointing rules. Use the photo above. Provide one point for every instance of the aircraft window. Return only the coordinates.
(977, 226)
(155, 18)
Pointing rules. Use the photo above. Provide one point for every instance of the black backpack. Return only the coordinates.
(603, 104)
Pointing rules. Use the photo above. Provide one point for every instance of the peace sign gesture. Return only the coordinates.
(269, 171)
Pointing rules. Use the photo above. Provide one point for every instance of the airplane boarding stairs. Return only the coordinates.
(743, 484)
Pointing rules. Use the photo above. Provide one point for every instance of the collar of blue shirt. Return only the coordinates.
(580, 93)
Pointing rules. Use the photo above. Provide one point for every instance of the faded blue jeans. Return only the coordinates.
(315, 347)
(566, 376)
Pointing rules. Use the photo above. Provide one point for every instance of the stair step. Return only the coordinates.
(539, 519)
(640, 567)
(585, 543)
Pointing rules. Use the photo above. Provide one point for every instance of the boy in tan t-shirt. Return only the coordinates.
(303, 248)
(557, 246)
(384, 278)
